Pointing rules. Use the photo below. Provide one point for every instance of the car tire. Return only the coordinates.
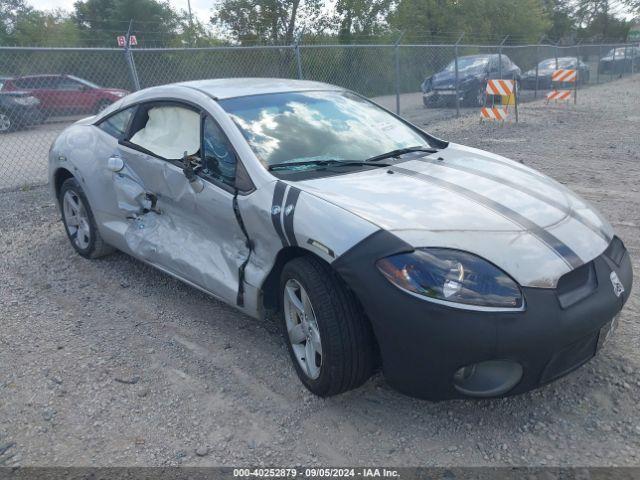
(7, 123)
(102, 104)
(347, 355)
(79, 222)
(474, 97)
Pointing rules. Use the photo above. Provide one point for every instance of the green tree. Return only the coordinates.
(265, 21)
(563, 24)
(522, 20)
(10, 13)
(358, 18)
(100, 21)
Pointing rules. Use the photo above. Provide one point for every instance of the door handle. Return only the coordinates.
(115, 163)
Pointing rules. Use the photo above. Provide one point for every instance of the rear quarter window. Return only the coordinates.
(116, 124)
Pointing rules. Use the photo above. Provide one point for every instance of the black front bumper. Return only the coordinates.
(25, 114)
(423, 344)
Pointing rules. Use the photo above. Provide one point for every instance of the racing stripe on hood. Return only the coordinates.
(289, 211)
(529, 191)
(570, 257)
(276, 210)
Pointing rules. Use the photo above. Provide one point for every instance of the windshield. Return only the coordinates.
(469, 63)
(85, 82)
(619, 52)
(562, 63)
(319, 125)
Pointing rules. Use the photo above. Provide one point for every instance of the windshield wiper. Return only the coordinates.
(401, 151)
(326, 163)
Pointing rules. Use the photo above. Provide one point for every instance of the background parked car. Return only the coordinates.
(65, 94)
(17, 109)
(617, 61)
(473, 73)
(548, 66)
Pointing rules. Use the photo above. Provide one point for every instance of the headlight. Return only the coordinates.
(118, 94)
(26, 101)
(452, 276)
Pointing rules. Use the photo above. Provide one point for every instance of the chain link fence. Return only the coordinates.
(42, 90)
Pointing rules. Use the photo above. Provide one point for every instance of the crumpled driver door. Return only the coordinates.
(194, 236)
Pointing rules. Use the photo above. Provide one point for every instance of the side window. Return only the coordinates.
(116, 125)
(68, 84)
(167, 131)
(218, 158)
(37, 83)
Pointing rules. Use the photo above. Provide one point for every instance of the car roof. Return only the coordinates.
(481, 55)
(222, 88)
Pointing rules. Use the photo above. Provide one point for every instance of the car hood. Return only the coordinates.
(529, 225)
(447, 79)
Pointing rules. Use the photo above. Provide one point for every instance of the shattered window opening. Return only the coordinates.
(169, 131)
(219, 159)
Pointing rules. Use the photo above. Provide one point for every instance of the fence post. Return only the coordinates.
(555, 52)
(575, 92)
(500, 56)
(128, 56)
(296, 51)
(396, 48)
(456, 62)
(535, 93)
(624, 63)
(598, 66)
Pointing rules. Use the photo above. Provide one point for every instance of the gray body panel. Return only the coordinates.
(469, 200)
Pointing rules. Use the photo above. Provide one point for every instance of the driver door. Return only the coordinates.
(188, 229)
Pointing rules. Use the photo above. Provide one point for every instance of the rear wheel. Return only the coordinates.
(474, 97)
(328, 338)
(79, 221)
(6, 122)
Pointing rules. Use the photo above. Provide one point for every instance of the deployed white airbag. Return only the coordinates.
(169, 132)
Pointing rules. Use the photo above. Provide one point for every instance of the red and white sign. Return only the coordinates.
(559, 95)
(122, 40)
(500, 87)
(564, 76)
(493, 113)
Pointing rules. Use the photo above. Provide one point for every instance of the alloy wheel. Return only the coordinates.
(76, 219)
(5, 122)
(302, 328)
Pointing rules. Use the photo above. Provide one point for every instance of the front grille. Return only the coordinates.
(577, 285)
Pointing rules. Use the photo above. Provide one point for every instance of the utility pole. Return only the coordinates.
(500, 55)
(129, 58)
(396, 49)
(457, 75)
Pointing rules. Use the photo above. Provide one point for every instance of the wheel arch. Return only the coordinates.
(59, 177)
(270, 295)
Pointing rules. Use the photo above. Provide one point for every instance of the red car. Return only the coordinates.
(65, 94)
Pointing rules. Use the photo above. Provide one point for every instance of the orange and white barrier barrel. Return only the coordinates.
(564, 76)
(494, 113)
(559, 95)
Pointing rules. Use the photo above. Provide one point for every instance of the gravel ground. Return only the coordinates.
(109, 362)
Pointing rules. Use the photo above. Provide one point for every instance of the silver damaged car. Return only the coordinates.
(457, 272)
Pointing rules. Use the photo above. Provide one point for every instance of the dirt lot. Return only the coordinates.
(109, 362)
